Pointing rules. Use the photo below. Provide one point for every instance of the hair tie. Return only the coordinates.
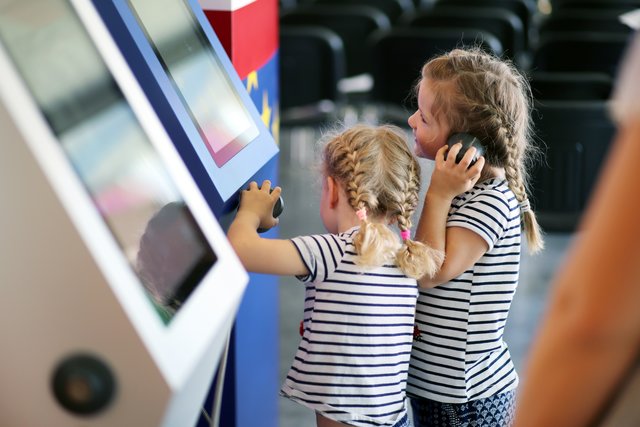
(405, 234)
(525, 206)
(362, 214)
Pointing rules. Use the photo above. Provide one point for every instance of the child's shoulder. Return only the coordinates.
(329, 240)
(490, 191)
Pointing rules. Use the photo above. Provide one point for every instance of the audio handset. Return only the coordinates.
(277, 210)
(467, 140)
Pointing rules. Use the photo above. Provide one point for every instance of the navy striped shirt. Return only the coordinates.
(353, 358)
(461, 355)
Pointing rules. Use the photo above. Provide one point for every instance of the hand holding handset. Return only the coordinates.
(277, 210)
(278, 207)
(467, 141)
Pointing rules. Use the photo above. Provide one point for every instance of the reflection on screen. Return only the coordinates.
(198, 76)
(108, 149)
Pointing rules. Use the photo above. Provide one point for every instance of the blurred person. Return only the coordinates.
(590, 336)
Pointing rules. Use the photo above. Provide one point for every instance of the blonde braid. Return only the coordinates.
(414, 258)
(529, 221)
(374, 243)
(381, 177)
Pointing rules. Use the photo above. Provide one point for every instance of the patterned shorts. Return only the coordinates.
(494, 411)
(403, 422)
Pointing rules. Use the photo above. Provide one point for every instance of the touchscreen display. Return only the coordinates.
(198, 76)
(107, 147)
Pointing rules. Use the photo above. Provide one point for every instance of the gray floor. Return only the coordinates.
(299, 179)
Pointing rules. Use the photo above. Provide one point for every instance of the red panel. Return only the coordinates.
(249, 34)
(220, 20)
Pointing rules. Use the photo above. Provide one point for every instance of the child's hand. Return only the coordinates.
(260, 202)
(450, 178)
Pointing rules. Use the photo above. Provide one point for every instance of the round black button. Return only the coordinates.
(83, 384)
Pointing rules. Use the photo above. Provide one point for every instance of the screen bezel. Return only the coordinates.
(206, 317)
(238, 170)
(239, 142)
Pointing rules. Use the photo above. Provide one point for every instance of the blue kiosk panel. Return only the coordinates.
(190, 81)
(202, 103)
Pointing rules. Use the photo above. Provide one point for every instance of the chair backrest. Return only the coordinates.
(503, 24)
(312, 61)
(524, 9)
(617, 5)
(575, 136)
(585, 51)
(398, 55)
(393, 9)
(564, 86)
(580, 20)
(353, 24)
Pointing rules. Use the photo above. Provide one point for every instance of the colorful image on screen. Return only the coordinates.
(199, 78)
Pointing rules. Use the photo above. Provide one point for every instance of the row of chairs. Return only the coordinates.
(571, 75)
(394, 56)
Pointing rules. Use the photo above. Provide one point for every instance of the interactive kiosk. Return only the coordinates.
(190, 81)
(119, 286)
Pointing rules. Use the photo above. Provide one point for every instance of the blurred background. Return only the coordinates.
(347, 61)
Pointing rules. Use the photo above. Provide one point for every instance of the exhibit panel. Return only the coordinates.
(202, 92)
(122, 287)
(199, 97)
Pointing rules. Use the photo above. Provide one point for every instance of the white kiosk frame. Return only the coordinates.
(71, 289)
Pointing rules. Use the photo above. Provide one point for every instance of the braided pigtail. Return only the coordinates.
(414, 258)
(375, 243)
(529, 221)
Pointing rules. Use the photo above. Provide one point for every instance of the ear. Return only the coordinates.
(333, 191)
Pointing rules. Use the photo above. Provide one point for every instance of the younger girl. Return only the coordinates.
(461, 372)
(351, 364)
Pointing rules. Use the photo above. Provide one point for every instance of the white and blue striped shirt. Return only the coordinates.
(353, 358)
(461, 355)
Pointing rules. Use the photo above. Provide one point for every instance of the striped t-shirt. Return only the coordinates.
(461, 355)
(352, 362)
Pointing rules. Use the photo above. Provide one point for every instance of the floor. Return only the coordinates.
(299, 179)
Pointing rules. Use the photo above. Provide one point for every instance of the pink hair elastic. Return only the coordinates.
(362, 214)
(405, 234)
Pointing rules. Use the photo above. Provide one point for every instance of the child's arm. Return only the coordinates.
(462, 247)
(257, 254)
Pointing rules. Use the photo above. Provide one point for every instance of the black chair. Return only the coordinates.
(312, 61)
(393, 9)
(398, 54)
(503, 24)
(424, 4)
(287, 4)
(579, 86)
(579, 52)
(619, 6)
(524, 9)
(581, 20)
(353, 24)
(576, 136)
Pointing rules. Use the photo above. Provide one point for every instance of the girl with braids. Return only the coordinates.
(461, 373)
(352, 362)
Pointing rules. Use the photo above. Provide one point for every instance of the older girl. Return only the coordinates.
(461, 371)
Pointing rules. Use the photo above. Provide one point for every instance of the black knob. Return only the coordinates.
(83, 384)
